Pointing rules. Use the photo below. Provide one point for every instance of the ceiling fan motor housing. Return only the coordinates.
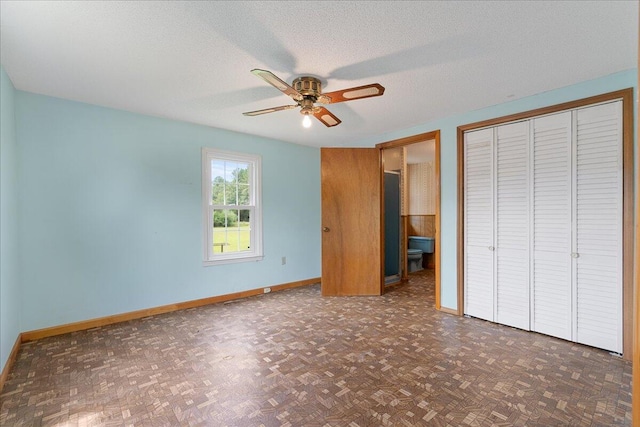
(308, 86)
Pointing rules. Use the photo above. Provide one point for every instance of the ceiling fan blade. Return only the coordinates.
(278, 83)
(270, 110)
(366, 91)
(326, 117)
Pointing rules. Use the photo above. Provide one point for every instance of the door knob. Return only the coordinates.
(325, 229)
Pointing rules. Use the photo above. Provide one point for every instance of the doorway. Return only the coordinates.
(423, 152)
(352, 199)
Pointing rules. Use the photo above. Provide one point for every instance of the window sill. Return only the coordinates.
(234, 260)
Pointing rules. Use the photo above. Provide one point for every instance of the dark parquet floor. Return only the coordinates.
(294, 358)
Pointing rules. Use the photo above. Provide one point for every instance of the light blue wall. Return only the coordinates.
(9, 285)
(448, 156)
(111, 212)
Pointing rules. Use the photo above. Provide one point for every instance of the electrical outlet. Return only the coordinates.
(284, 260)
(267, 290)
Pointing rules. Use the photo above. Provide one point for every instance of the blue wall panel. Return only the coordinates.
(111, 217)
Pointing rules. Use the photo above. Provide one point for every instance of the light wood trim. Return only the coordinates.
(626, 95)
(404, 184)
(437, 247)
(290, 285)
(619, 94)
(424, 137)
(635, 384)
(123, 317)
(10, 361)
(449, 310)
(460, 234)
(382, 215)
(627, 224)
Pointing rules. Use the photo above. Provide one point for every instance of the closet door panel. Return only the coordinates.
(512, 224)
(551, 305)
(478, 217)
(598, 226)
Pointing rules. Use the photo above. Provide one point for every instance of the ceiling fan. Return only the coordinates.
(307, 90)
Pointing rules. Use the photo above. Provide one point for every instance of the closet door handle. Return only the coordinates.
(326, 229)
(491, 248)
(575, 255)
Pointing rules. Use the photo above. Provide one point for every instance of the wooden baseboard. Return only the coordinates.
(449, 311)
(10, 361)
(123, 317)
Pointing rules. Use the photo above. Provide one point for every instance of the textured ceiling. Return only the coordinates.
(190, 61)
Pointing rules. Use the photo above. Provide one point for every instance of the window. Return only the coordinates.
(232, 217)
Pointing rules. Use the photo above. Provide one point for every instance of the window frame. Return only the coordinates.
(255, 206)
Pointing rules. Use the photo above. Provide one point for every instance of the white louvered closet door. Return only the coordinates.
(598, 226)
(551, 303)
(512, 225)
(478, 223)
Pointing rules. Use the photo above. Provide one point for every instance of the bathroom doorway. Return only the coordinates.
(416, 160)
(421, 206)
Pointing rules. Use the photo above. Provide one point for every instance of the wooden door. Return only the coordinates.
(351, 221)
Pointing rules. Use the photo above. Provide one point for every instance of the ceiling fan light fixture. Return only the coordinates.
(307, 90)
(306, 111)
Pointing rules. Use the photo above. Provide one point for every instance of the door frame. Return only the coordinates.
(635, 386)
(626, 95)
(422, 137)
